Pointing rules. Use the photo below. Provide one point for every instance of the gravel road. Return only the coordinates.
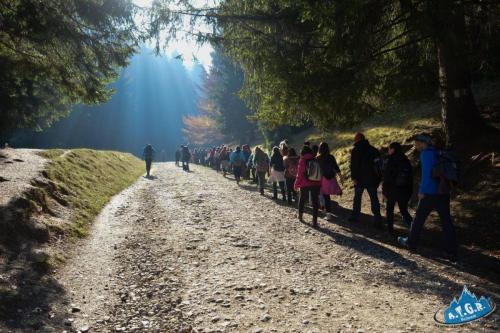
(18, 167)
(194, 252)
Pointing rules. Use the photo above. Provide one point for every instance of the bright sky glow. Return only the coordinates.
(191, 51)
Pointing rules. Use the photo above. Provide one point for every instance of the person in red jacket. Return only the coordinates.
(307, 186)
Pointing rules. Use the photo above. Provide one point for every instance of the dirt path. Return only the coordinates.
(194, 252)
(18, 167)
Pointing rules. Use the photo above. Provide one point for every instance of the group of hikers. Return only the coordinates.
(313, 176)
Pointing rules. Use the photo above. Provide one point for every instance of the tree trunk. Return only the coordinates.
(460, 115)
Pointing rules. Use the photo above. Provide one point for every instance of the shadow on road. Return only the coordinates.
(365, 233)
(28, 289)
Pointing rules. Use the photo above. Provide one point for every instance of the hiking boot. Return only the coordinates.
(452, 257)
(407, 223)
(403, 241)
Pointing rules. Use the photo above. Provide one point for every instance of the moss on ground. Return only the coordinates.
(89, 178)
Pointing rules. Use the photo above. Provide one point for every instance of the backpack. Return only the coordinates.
(237, 160)
(148, 152)
(403, 177)
(379, 166)
(262, 164)
(292, 168)
(313, 170)
(447, 169)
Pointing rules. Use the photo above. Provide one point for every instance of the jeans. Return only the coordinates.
(375, 205)
(261, 176)
(237, 173)
(304, 197)
(291, 194)
(403, 209)
(275, 190)
(254, 175)
(440, 203)
(148, 165)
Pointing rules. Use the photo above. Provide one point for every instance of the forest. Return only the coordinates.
(276, 64)
(299, 126)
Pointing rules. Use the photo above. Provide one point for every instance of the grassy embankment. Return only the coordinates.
(87, 179)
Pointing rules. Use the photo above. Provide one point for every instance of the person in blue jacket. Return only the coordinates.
(237, 159)
(430, 198)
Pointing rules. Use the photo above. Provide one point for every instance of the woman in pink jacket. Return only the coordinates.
(307, 187)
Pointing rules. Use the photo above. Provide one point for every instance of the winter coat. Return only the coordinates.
(396, 165)
(428, 160)
(233, 155)
(362, 164)
(250, 162)
(186, 155)
(148, 153)
(261, 162)
(247, 155)
(328, 165)
(290, 162)
(301, 180)
(277, 162)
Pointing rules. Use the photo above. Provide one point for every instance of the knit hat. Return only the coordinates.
(358, 137)
(424, 137)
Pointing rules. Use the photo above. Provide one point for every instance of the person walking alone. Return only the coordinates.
(397, 185)
(186, 158)
(364, 176)
(305, 183)
(148, 155)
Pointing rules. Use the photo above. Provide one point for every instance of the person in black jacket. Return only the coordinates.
(364, 176)
(186, 157)
(397, 185)
(329, 169)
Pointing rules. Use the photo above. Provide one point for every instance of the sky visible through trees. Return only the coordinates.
(152, 96)
(296, 63)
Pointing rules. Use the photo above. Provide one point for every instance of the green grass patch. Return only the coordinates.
(399, 123)
(88, 179)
